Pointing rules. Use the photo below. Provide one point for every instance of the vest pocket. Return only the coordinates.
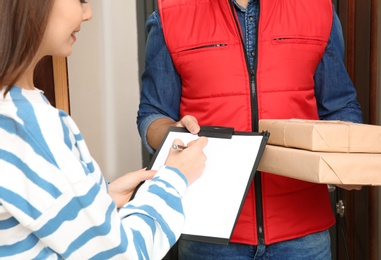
(297, 40)
(204, 47)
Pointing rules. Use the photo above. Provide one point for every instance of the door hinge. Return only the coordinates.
(340, 208)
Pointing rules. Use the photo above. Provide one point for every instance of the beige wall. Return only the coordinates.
(378, 225)
(379, 123)
(104, 86)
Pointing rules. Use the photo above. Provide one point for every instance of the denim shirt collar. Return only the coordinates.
(242, 9)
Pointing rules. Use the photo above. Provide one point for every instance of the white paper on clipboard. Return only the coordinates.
(213, 202)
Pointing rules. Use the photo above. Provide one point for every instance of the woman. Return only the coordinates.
(54, 202)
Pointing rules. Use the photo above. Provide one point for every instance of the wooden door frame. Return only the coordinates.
(61, 86)
(360, 27)
(51, 76)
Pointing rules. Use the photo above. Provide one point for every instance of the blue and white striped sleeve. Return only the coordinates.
(54, 202)
(157, 224)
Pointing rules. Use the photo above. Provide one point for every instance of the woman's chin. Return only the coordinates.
(63, 54)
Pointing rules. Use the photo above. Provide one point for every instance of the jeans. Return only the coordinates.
(315, 246)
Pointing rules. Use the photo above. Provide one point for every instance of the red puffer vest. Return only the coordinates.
(204, 40)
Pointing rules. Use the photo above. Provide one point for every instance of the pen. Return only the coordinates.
(179, 146)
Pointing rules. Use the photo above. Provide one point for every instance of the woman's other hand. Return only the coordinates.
(122, 188)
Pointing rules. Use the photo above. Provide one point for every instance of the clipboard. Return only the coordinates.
(213, 202)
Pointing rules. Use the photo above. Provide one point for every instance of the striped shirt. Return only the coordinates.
(53, 197)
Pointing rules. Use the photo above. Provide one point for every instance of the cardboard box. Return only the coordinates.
(323, 136)
(322, 167)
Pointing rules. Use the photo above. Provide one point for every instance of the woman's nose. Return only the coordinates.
(87, 13)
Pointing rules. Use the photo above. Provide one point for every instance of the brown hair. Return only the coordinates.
(22, 26)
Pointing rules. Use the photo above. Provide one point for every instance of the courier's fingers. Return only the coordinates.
(190, 123)
(349, 187)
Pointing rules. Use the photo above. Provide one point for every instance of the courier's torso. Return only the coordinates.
(221, 87)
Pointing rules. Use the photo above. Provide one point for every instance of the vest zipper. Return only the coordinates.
(255, 119)
(254, 113)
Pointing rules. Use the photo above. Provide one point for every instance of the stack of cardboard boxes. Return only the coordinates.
(331, 152)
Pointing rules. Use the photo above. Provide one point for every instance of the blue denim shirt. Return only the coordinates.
(161, 84)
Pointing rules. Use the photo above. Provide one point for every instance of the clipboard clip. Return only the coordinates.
(216, 131)
(266, 134)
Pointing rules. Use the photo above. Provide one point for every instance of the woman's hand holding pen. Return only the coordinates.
(190, 161)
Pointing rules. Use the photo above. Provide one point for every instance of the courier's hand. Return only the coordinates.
(190, 123)
(349, 187)
(189, 161)
(122, 188)
(159, 128)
